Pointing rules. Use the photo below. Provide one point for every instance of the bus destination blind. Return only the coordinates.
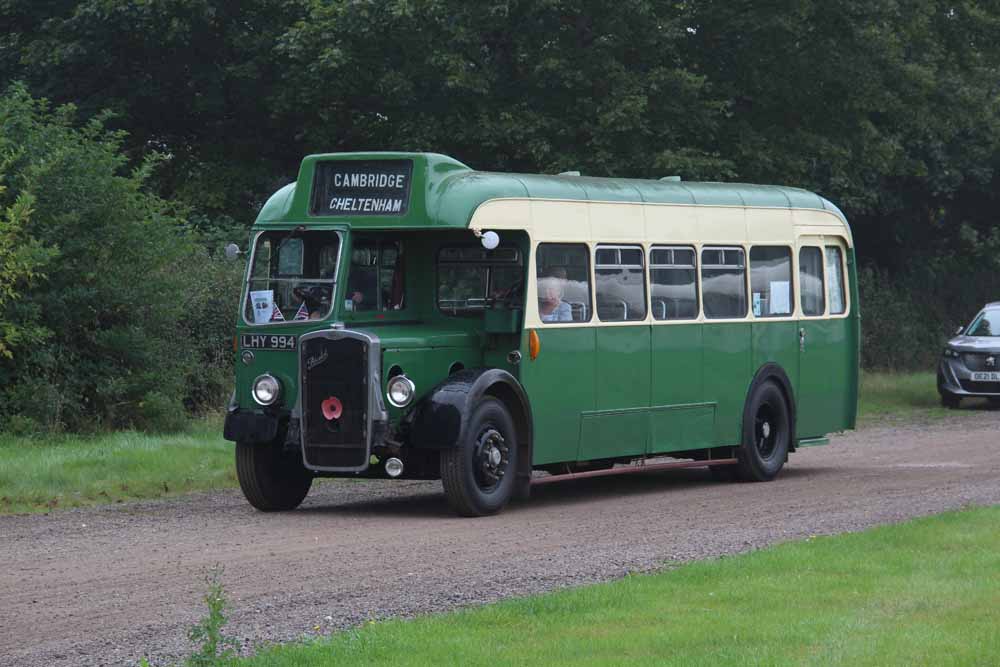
(368, 187)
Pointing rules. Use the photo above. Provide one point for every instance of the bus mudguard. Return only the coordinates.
(440, 418)
(772, 371)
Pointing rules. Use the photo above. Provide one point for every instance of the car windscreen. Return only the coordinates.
(986, 324)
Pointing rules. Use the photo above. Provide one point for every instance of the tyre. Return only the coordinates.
(950, 401)
(767, 433)
(479, 474)
(272, 479)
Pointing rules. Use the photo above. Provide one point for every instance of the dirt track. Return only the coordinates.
(105, 586)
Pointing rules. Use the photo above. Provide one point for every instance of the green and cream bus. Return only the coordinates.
(405, 316)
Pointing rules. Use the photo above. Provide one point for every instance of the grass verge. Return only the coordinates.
(38, 474)
(926, 592)
(905, 395)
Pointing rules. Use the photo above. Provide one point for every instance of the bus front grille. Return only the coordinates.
(335, 403)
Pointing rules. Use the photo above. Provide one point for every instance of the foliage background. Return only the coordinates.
(888, 108)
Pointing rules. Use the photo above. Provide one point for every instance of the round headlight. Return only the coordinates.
(266, 389)
(400, 391)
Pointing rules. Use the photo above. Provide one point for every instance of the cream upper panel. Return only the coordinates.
(624, 222)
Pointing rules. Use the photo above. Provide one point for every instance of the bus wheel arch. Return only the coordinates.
(441, 419)
(767, 430)
(773, 372)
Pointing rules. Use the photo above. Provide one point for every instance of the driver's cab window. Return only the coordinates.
(376, 281)
(292, 276)
(471, 278)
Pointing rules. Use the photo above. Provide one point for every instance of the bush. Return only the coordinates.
(134, 313)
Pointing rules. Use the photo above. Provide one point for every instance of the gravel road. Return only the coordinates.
(105, 586)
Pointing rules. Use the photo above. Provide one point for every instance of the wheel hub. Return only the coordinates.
(491, 457)
(765, 429)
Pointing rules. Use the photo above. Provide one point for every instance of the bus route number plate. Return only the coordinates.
(267, 342)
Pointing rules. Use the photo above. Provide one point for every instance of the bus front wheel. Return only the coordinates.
(478, 474)
(766, 433)
(272, 479)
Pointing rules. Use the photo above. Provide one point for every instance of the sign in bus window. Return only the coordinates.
(673, 282)
(621, 284)
(811, 281)
(563, 273)
(835, 282)
(771, 281)
(723, 283)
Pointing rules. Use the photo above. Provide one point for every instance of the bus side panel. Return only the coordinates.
(560, 386)
(679, 419)
(727, 376)
(619, 426)
(777, 343)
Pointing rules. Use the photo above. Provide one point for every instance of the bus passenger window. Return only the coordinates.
(811, 281)
(471, 279)
(835, 285)
(673, 281)
(563, 272)
(621, 283)
(723, 282)
(771, 281)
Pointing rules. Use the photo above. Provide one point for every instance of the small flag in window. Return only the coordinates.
(276, 315)
(302, 313)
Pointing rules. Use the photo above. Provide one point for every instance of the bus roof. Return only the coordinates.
(444, 193)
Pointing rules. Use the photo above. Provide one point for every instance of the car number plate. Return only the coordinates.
(267, 342)
(986, 377)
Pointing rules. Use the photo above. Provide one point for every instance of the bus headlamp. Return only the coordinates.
(266, 389)
(400, 391)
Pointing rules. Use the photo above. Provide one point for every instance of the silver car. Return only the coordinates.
(970, 365)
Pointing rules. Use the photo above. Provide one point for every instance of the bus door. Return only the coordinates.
(822, 332)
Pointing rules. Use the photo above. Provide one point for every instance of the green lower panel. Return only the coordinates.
(727, 376)
(560, 385)
(613, 433)
(675, 428)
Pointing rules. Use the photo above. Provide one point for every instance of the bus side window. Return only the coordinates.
(771, 281)
(811, 281)
(723, 282)
(621, 283)
(563, 272)
(835, 284)
(674, 283)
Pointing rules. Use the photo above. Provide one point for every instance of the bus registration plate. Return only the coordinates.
(265, 342)
(986, 377)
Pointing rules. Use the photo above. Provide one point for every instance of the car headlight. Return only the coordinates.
(266, 389)
(953, 354)
(400, 391)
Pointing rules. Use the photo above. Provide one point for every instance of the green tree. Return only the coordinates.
(115, 306)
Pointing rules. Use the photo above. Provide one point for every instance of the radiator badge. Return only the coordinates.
(313, 362)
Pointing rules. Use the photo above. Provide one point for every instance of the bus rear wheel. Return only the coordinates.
(478, 474)
(766, 433)
(272, 479)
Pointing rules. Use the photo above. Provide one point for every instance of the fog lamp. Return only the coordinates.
(400, 391)
(266, 389)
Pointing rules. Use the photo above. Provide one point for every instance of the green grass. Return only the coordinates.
(42, 473)
(922, 593)
(906, 395)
